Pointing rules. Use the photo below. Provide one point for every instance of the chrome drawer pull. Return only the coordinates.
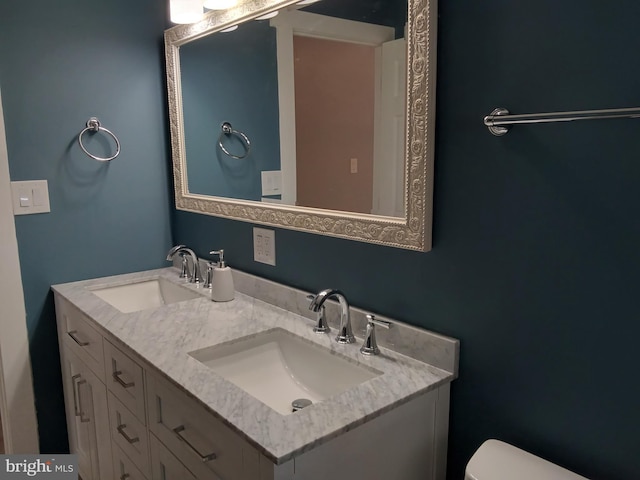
(116, 377)
(127, 437)
(73, 335)
(204, 458)
(76, 409)
(80, 409)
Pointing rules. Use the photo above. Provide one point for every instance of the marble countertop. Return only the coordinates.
(163, 336)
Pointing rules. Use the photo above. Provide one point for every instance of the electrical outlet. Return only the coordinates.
(264, 246)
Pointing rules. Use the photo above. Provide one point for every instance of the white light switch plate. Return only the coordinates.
(271, 182)
(30, 197)
(264, 246)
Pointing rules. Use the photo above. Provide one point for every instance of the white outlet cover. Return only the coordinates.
(264, 246)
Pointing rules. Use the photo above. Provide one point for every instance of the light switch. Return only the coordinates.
(271, 182)
(25, 197)
(30, 197)
(38, 197)
(354, 165)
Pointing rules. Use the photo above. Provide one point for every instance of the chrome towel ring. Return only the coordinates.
(93, 125)
(227, 129)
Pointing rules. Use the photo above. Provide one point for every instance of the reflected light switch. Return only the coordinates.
(271, 182)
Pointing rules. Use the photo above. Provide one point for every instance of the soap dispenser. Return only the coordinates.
(222, 289)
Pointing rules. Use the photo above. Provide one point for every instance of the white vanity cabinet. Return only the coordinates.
(127, 421)
(127, 410)
(165, 466)
(85, 393)
(408, 442)
(206, 447)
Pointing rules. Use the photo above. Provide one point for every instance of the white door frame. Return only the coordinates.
(390, 129)
(17, 403)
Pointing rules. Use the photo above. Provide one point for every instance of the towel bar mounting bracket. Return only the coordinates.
(497, 130)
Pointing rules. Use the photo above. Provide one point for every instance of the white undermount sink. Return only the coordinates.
(278, 367)
(145, 294)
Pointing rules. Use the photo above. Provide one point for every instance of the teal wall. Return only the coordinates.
(535, 261)
(61, 63)
(222, 82)
(535, 265)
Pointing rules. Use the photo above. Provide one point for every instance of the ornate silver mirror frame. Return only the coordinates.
(412, 232)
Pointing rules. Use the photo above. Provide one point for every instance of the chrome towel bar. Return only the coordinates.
(499, 120)
(93, 125)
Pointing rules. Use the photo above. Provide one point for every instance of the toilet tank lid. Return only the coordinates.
(496, 460)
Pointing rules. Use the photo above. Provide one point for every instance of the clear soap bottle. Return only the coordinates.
(222, 289)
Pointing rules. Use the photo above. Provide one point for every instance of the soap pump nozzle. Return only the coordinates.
(220, 254)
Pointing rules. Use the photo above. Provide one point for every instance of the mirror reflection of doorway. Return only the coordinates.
(334, 101)
(350, 110)
(342, 96)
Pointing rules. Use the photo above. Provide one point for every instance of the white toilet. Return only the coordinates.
(496, 460)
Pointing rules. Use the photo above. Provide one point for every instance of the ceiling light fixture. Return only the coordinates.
(307, 2)
(185, 11)
(230, 29)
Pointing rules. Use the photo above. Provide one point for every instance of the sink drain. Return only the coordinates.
(300, 403)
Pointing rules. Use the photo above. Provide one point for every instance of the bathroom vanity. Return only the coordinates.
(146, 397)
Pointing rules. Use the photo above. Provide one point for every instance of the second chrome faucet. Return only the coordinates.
(345, 334)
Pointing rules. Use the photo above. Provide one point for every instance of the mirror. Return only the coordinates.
(329, 131)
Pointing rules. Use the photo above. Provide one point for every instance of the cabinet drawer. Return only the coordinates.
(128, 433)
(87, 417)
(165, 466)
(124, 379)
(124, 468)
(200, 441)
(82, 339)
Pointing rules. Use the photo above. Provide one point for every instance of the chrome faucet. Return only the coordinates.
(345, 334)
(182, 250)
(370, 345)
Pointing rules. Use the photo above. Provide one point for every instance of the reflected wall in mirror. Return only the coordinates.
(339, 145)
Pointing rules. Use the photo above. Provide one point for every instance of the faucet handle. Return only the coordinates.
(321, 320)
(208, 278)
(370, 345)
(184, 262)
(381, 323)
